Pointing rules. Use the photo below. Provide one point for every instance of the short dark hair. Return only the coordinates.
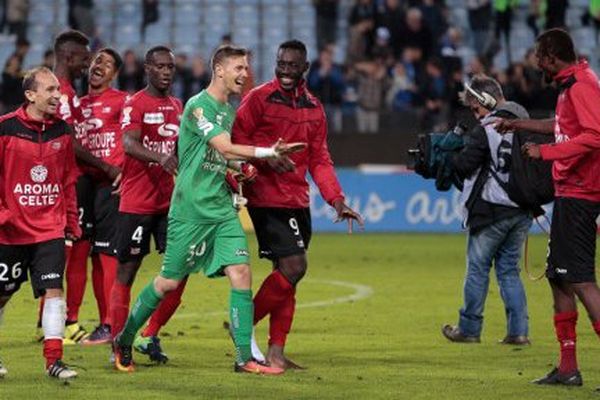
(482, 83)
(294, 45)
(557, 43)
(226, 51)
(114, 54)
(70, 36)
(153, 50)
(29, 80)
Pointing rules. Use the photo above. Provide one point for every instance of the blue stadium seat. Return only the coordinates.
(186, 13)
(186, 34)
(34, 55)
(7, 46)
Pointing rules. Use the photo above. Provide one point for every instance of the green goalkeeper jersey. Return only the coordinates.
(201, 194)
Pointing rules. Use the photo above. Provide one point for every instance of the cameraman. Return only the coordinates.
(497, 226)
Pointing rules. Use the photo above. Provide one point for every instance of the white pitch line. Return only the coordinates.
(360, 292)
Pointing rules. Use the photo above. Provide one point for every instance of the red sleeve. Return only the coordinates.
(320, 165)
(70, 181)
(581, 95)
(5, 213)
(246, 119)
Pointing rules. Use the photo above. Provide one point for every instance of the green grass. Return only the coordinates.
(385, 346)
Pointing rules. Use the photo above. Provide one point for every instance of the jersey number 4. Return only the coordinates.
(138, 234)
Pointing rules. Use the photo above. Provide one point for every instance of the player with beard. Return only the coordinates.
(278, 200)
(150, 125)
(38, 208)
(71, 62)
(575, 171)
(205, 233)
(101, 110)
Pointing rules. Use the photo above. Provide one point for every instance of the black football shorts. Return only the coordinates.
(45, 263)
(135, 233)
(281, 232)
(572, 245)
(106, 216)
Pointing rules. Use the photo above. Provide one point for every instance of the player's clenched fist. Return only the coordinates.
(169, 163)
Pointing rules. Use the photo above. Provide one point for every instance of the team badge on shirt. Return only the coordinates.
(38, 173)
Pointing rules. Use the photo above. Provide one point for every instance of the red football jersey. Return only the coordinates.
(70, 108)
(576, 153)
(268, 113)
(102, 125)
(37, 179)
(147, 187)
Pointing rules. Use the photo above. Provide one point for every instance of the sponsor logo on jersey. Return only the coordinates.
(201, 122)
(242, 252)
(64, 110)
(168, 130)
(126, 120)
(300, 243)
(166, 108)
(106, 110)
(38, 194)
(56, 145)
(92, 124)
(52, 275)
(154, 118)
(560, 271)
(76, 101)
(39, 173)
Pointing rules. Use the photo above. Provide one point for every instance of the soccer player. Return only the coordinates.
(575, 170)
(150, 124)
(71, 62)
(38, 208)
(278, 200)
(101, 112)
(204, 232)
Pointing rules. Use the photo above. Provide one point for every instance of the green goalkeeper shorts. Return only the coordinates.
(203, 247)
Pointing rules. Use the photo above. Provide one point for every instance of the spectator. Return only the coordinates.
(556, 12)
(81, 16)
(48, 60)
(416, 33)
(22, 48)
(504, 15)
(433, 18)
(434, 94)
(480, 15)
(131, 77)
(391, 16)
(17, 12)
(150, 14)
(181, 78)
(360, 38)
(372, 85)
(12, 94)
(452, 50)
(326, 81)
(402, 92)
(382, 48)
(327, 13)
(199, 77)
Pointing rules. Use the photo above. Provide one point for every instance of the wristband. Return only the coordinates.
(264, 152)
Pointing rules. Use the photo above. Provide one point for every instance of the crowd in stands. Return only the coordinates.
(402, 56)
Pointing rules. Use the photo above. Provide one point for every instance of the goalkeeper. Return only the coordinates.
(204, 231)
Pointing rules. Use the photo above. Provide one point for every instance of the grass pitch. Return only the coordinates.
(368, 327)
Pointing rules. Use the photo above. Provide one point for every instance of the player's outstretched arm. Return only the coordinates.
(503, 125)
(132, 145)
(222, 143)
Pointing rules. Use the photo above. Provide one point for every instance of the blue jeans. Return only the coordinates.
(500, 242)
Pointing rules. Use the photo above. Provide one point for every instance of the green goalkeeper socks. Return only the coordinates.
(241, 313)
(144, 306)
